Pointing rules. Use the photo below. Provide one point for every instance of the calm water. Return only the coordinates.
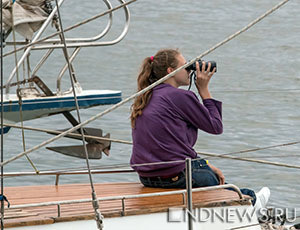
(255, 74)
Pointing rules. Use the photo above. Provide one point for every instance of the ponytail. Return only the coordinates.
(152, 69)
(141, 101)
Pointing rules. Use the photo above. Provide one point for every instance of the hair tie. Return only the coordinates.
(151, 58)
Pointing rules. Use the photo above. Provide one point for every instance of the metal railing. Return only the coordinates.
(123, 198)
(76, 43)
(57, 174)
(186, 193)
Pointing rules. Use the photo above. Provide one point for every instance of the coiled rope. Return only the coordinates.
(147, 88)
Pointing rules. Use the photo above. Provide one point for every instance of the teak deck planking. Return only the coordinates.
(82, 211)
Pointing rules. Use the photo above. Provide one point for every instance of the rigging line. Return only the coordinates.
(212, 155)
(71, 27)
(127, 165)
(18, 87)
(98, 216)
(208, 154)
(260, 148)
(256, 91)
(119, 166)
(70, 134)
(248, 91)
(245, 28)
(2, 112)
(99, 115)
(244, 226)
(67, 173)
(130, 142)
(142, 164)
(27, 51)
(116, 166)
(72, 78)
(268, 156)
(238, 91)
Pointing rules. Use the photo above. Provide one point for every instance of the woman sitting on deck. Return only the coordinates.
(165, 123)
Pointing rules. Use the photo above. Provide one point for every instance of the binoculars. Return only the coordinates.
(193, 66)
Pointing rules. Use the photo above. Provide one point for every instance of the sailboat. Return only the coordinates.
(126, 205)
(33, 98)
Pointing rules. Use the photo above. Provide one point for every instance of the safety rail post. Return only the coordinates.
(57, 178)
(58, 210)
(123, 207)
(184, 198)
(188, 170)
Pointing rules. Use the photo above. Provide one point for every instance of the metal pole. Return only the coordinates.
(37, 36)
(188, 174)
(2, 110)
(98, 216)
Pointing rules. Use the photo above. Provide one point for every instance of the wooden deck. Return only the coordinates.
(82, 211)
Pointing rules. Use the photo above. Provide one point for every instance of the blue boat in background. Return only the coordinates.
(40, 106)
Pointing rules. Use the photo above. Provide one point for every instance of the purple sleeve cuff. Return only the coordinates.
(213, 102)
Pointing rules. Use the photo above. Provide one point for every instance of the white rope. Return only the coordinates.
(145, 89)
(245, 28)
(296, 90)
(49, 131)
(251, 160)
(261, 148)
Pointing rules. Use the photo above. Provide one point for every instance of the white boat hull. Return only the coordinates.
(223, 218)
(36, 107)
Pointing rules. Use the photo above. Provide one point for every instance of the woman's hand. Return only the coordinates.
(219, 173)
(203, 78)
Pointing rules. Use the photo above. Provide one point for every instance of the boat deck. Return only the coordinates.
(81, 211)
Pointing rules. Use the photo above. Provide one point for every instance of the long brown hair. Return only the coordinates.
(152, 69)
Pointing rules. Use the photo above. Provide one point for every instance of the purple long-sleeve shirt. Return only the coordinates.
(168, 127)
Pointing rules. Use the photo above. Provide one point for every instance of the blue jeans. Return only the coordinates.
(202, 176)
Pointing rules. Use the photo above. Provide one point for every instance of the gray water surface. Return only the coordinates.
(256, 72)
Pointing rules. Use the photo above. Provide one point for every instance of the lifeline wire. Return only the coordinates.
(259, 148)
(211, 155)
(156, 163)
(130, 142)
(147, 88)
